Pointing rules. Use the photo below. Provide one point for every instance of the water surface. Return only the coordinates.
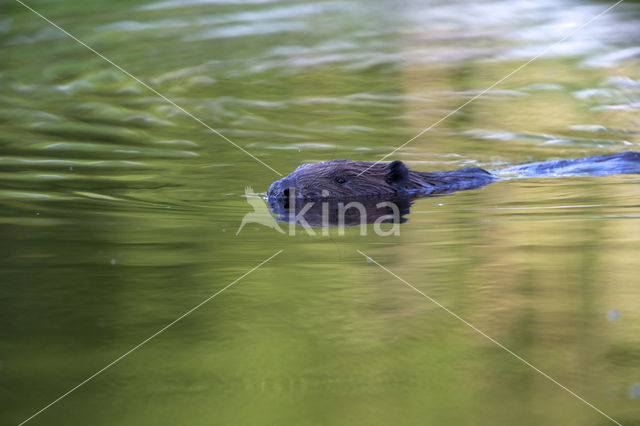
(119, 213)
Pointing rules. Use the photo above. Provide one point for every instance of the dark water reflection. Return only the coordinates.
(119, 213)
(341, 213)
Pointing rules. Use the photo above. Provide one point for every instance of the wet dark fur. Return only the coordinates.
(342, 179)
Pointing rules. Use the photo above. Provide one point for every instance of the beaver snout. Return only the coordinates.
(290, 187)
(282, 187)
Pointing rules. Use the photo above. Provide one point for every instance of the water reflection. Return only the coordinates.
(333, 212)
(118, 212)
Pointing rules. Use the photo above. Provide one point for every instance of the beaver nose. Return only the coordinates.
(280, 188)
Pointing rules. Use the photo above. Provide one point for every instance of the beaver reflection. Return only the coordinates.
(332, 212)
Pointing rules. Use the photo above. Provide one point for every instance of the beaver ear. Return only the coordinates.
(397, 174)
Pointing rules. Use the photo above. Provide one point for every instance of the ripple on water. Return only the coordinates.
(22, 115)
(94, 132)
(171, 4)
(57, 163)
(107, 113)
(567, 139)
(92, 149)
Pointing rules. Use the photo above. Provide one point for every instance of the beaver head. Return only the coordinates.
(343, 179)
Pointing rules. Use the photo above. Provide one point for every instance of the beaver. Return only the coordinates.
(343, 179)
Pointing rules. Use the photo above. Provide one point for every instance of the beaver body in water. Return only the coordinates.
(342, 179)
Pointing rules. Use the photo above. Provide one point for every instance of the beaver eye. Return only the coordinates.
(340, 179)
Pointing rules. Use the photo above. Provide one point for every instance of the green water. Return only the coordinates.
(118, 214)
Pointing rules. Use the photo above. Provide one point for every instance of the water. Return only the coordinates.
(119, 214)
